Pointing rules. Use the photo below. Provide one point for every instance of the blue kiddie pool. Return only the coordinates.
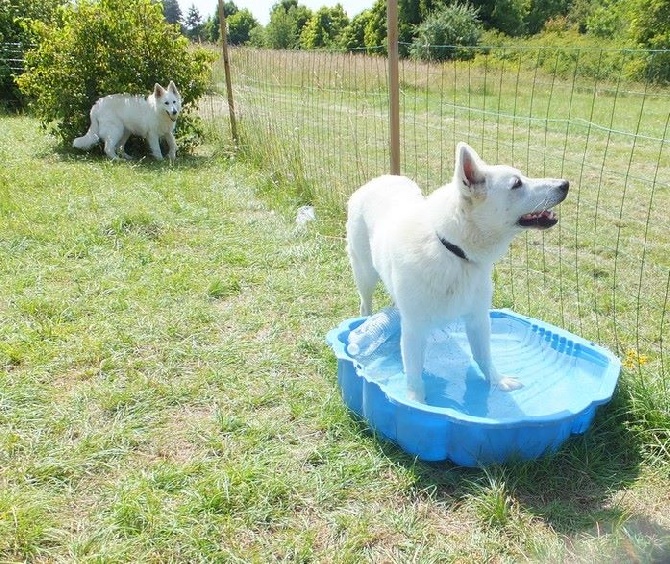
(465, 420)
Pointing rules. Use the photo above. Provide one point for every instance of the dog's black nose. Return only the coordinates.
(564, 186)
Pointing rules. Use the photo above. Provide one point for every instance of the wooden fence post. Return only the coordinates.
(226, 70)
(394, 85)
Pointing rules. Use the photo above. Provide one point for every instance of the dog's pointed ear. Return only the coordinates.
(468, 174)
(173, 88)
(158, 90)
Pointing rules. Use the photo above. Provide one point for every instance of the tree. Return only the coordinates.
(193, 24)
(541, 11)
(324, 28)
(171, 11)
(606, 20)
(240, 25)
(448, 34)
(281, 32)
(375, 29)
(372, 24)
(353, 36)
(212, 28)
(411, 13)
(579, 13)
(650, 23)
(287, 19)
(650, 29)
(257, 37)
(509, 16)
(14, 14)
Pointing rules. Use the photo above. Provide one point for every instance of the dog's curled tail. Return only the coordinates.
(85, 142)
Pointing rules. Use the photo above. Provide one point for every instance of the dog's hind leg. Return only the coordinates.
(121, 146)
(365, 275)
(360, 257)
(110, 149)
(112, 135)
(366, 279)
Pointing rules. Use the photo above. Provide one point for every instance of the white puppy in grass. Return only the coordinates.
(116, 117)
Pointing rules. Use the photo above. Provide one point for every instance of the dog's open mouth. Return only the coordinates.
(539, 220)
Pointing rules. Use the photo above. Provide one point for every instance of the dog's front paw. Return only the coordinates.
(507, 384)
(416, 393)
(416, 396)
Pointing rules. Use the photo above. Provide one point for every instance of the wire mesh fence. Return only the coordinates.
(320, 120)
(11, 56)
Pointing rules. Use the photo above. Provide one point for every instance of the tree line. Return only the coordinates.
(428, 29)
(637, 24)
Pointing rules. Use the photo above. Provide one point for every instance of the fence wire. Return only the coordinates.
(11, 56)
(322, 119)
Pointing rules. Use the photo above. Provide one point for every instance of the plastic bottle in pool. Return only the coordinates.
(376, 330)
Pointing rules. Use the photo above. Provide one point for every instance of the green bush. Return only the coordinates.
(568, 53)
(650, 29)
(447, 34)
(101, 47)
(15, 38)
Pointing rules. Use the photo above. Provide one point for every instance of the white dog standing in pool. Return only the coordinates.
(116, 117)
(435, 254)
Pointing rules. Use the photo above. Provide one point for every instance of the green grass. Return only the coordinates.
(166, 393)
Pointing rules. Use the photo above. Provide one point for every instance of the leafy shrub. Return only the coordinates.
(353, 36)
(650, 29)
(605, 21)
(10, 96)
(567, 53)
(240, 25)
(655, 65)
(509, 16)
(101, 47)
(15, 38)
(447, 34)
(324, 28)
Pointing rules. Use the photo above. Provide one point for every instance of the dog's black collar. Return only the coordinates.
(460, 253)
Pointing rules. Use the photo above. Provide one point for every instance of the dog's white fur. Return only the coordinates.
(116, 117)
(396, 234)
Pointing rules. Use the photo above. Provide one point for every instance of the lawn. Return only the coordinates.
(166, 393)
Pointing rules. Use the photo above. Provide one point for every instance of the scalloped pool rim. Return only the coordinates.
(437, 434)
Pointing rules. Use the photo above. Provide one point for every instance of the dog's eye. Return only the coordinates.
(516, 183)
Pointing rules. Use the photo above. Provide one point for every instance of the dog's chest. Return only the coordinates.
(454, 287)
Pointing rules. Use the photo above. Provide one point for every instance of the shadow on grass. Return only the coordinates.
(189, 161)
(573, 490)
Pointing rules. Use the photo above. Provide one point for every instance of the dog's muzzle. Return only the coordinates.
(544, 219)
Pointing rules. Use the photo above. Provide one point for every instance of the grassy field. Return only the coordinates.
(166, 394)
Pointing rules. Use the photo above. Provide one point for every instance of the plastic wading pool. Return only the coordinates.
(465, 420)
